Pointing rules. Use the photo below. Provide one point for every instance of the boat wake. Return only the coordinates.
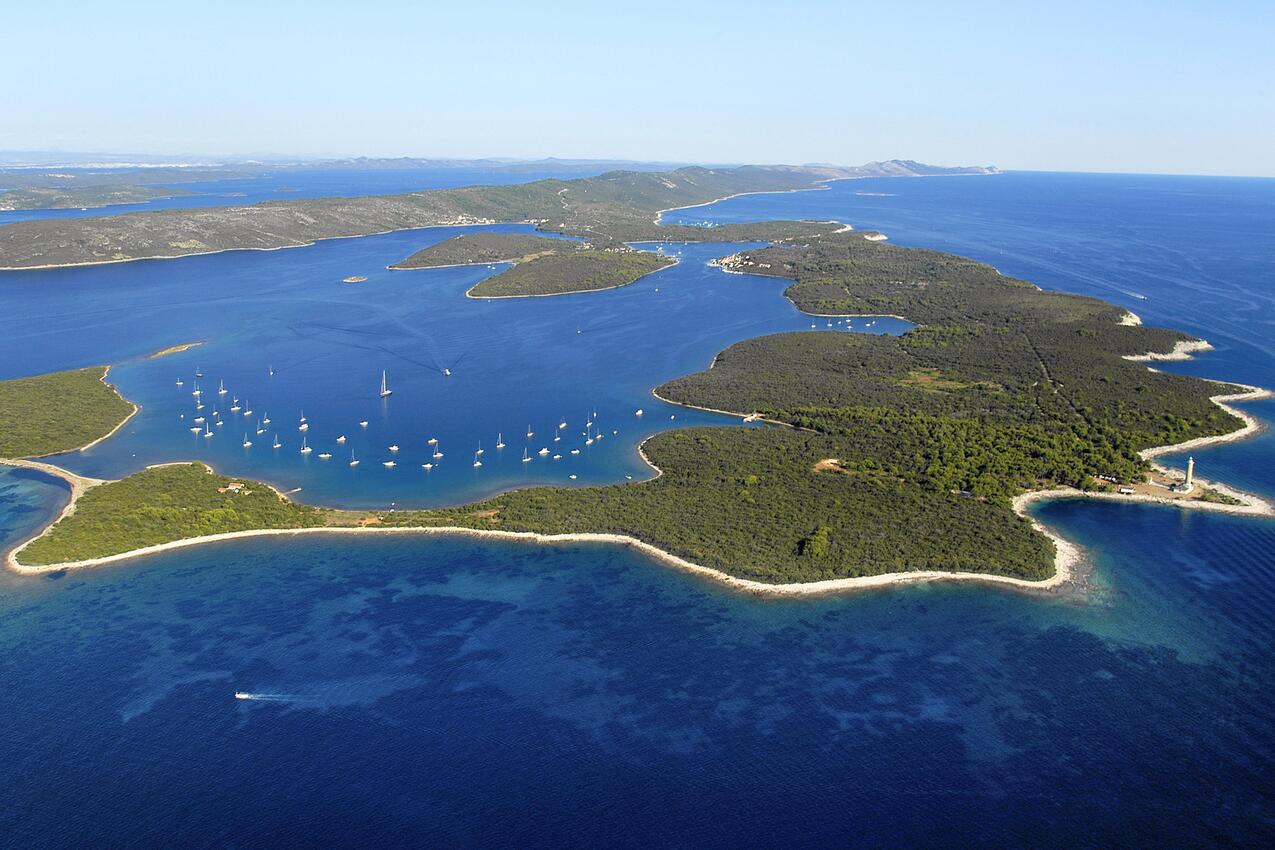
(244, 695)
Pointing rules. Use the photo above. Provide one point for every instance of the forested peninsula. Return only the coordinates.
(895, 456)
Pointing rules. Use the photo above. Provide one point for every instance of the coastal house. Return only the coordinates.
(236, 488)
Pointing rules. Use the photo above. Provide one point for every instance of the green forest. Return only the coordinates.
(57, 412)
(576, 271)
(160, 505)
(482, 247)
(903, 452)
(1006, 388)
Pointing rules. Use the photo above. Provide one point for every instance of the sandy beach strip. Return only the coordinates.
(1067, 555)
(1184, 349)
(1251, 424)
(172, 349)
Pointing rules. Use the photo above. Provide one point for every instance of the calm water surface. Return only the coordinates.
(411, 691)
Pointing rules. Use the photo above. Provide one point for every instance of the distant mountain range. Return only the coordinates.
(97, 160)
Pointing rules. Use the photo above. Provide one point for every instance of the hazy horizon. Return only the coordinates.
(80, 159)
(1145, 87)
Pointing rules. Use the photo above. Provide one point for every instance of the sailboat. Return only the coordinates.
(477, 462)
(341, 439)
(437, 453)
(234, 405)
(221, 388)
(248, 412)
(562, 424)
(198, 374)
(265, 419)
(207, 431)
(500, 443)
(526, 458)
(385, 387)
(277, 444)
(480, 447)
(180, 382)
(247, 444)
(260, 430)
(305, 449)
(530, 433)
(556, 437)
(353, 460)
(303, 427)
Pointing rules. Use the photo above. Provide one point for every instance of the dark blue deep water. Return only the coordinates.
(434, 692)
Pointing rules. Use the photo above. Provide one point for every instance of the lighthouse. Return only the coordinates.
(1189, 484)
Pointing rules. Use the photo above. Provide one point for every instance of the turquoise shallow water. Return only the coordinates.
(434, 691)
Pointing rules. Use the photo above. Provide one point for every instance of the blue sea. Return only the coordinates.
(435, 692)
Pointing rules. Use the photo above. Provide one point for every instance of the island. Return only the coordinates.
(541, 265)
(571, 271)
(80, 187)
(889, 459)
(52, 198)
(470, 249)
(611, 209)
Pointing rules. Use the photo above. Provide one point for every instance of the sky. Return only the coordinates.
(1170, 87)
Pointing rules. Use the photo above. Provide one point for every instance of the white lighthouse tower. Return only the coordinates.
(1189, 484)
